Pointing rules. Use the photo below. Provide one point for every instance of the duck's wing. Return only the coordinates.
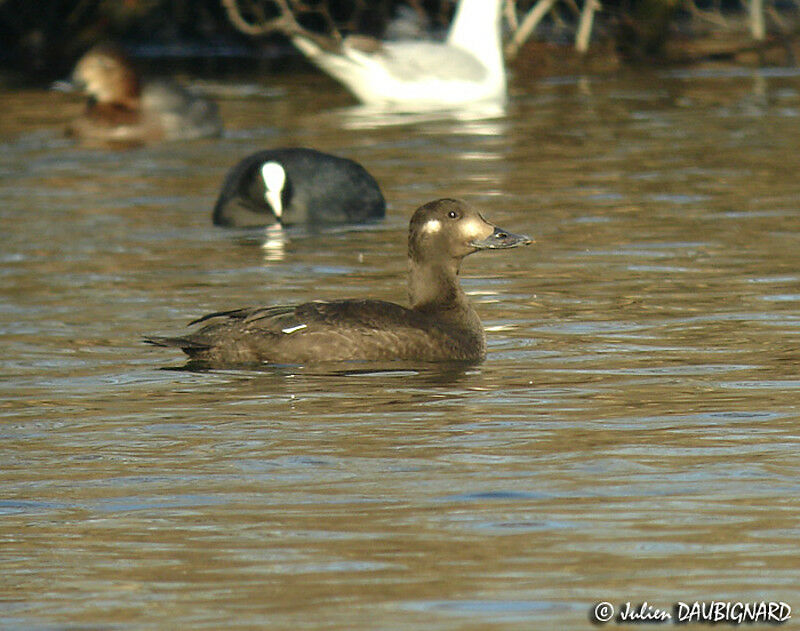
(370, 330)
(267, 320)
(219, 323)
(283, 320)
(321, 331)
(232, 313)
(319, 315)
(183, 115)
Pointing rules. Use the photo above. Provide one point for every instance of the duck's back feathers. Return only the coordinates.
(182, 115)
(342, 330)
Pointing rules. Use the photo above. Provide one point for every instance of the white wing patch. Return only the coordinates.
(292, 329)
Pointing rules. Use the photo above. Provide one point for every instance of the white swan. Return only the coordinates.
(467, 68)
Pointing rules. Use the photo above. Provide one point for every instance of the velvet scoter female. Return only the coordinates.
(122, 110)
(297, 185)
(440, 325)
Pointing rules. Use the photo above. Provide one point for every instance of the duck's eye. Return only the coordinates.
(452, 214)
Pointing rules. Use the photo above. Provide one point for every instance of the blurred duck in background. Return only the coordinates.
(122, 110)
(468, 67)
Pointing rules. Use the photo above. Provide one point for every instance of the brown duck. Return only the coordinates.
(440, 325)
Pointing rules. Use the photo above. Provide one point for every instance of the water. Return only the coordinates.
(632, 436)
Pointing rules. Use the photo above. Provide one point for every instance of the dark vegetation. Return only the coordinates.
(42, 40)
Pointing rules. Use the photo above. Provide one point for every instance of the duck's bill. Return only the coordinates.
(502, 239)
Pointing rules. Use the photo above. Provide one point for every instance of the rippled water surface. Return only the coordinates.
(632, 435)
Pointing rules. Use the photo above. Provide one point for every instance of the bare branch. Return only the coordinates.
(573, 6)
(783, 27)
(757, 26)
(530, 22)
(713, 17)
(510, 12)
(286, 23)
(584, 33)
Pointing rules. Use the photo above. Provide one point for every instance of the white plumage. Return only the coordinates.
(467, 68)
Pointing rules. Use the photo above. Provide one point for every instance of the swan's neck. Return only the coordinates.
(476, 28)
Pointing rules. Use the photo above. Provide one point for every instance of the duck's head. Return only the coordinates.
(106, 75)
(452, 229)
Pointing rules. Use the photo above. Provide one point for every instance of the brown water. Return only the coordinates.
(633, 434)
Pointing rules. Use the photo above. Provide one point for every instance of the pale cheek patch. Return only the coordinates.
(432, 226)
(474, 229)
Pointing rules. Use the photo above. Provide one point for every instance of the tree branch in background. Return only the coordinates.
(584, 34)
(531, 21)
(510, 12)
(285, 23)
(757, 27)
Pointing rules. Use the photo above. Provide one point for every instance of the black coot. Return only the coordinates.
(297, 185)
